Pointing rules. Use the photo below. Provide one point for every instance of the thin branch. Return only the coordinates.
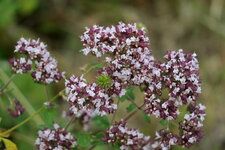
(134, 112)
(114, 115)
(7, 84)
(69, 123)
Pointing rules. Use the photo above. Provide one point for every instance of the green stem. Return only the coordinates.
(69, 123)
(90, 69)
(133, 113)
(6, 84)
(114, 115)
(32, 116)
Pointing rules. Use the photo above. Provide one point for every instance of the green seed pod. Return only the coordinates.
(104, 81)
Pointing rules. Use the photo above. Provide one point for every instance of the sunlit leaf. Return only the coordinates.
(9, 145)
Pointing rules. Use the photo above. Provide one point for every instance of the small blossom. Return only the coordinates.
(55, 139)
(88, 97)
(128, 138)
(36, 60)
(192, 124)
(17, 109)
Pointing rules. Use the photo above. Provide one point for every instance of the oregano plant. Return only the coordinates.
(127, 64)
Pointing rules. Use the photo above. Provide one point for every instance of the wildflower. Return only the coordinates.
(88, 97)
(55, 139)
(164, 139)
(192, 124)
(128, 138)
(179, 76)
(17, 109)
(37, 60)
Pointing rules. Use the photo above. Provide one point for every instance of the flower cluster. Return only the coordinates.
(191, 126)
(55, 139)
(178, 83)
(88, 97)
(167, 86)
(128, 138)
(17, 109)
(164, 139)
(37, 60)
(128, 45)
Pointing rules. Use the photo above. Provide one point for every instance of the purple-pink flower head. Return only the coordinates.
(37, 60)
(55, 139)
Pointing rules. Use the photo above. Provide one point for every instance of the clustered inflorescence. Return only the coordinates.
(35, 58)
(168, 87)
(55, 139)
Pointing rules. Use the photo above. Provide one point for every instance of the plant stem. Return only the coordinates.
(138, 107)
(32, 116)
(69, 123)
(7, 84)
(89, 70)
(133, 113)
(114, 115)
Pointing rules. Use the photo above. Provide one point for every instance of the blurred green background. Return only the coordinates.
(194, 25)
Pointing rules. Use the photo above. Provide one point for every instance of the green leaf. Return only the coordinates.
(97, 143)
(101, 121)
(49, 115)
(122, 98)
(146, 117)
(131, 107)
(116, 146)
(42, 126)
(99, 135)
(129, 94)
(84, 139)
(163, 122)
(9, 145)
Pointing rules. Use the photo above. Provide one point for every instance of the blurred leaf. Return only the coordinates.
(97, 143)
(131, 107)
(44, 126)
(116, 146)
(146, 117)
(163, 122)
(101, 121)
(27, 6)
(49, 115)
(9, 145)
(122, 98)
(83, 139)
(129, 94)
(99, 135)
(7, 12)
